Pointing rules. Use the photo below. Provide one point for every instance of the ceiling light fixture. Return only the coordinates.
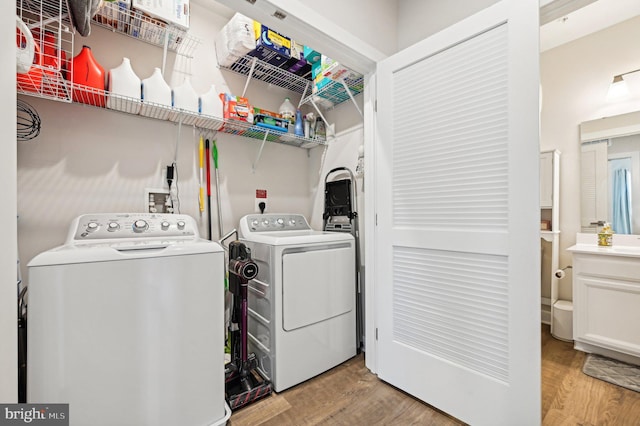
(618, 88)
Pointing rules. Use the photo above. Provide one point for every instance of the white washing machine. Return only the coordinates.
(302, 303)
(125, 323)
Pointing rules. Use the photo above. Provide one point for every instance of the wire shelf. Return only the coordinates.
(105, 100)
(119, 18)
(270, 74)
(48, 23)
(332, 94)
(335, 92)
(48, 77)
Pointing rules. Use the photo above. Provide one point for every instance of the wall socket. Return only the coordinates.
(261, 197)
(157, 200)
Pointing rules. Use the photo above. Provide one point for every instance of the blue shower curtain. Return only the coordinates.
(621, 201)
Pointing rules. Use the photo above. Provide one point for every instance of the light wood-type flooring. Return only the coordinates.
(350, 395)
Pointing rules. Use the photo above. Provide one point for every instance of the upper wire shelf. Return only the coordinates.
(49, 75)
(119, 18)
(330, 95)
(49, 24)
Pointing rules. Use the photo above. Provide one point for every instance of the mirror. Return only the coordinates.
(610, 173)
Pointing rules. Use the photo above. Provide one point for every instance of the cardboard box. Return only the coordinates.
(297, 64)
(236, 108)
(311, 55)
(272, 40)
(147, 28)
(272, 123)
(328, 70)
(173, 11)
(115, 15)
(271, 46)
(260, 111)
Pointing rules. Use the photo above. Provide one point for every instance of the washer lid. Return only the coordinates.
(123, 250)
(279, 238)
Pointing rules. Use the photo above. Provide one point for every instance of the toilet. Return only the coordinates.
(563, 320)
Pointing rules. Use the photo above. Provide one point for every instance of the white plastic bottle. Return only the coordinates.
(123, 86)
(156, 96)
(185, 97)
(287, 110)
(210, 103)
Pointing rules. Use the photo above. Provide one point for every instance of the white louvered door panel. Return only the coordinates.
(457, 201)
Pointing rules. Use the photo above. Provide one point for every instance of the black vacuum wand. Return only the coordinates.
(243, 382)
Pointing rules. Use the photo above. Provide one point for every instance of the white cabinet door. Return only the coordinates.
(457, 237)
(546, 180)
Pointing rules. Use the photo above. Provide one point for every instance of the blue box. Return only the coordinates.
(271, 46)
(311, 55)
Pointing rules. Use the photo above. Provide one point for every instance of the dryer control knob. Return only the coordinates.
(113, 226)
(255, 223)
(292, 222)
(265, 222)
(164, 225)
(140, 225)
(92, 226)
(280, 221)
(181, 224)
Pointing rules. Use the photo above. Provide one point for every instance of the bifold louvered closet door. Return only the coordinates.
(457, 202)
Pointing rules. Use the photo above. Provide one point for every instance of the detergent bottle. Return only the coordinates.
(287, 110)
(299, 128)
(124, 88)
(156, 96)
(89, 75)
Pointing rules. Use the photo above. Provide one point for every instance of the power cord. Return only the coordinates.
(172, 180)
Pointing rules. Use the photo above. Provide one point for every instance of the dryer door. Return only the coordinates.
(317, 284)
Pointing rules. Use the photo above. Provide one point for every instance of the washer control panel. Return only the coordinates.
(274, 222)
(103, 226)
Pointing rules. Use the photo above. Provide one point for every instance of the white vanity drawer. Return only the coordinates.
(616, 267)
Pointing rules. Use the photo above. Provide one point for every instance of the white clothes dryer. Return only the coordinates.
(302, 303)
(126, 323)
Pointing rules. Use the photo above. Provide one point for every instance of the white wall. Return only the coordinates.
(8, 311)
(575, 79)
(372, 20)
(93, 160)
(418, 19)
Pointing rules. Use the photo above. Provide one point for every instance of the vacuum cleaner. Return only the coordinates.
(243, 382)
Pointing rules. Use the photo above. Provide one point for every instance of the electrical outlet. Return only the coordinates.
(261, 197)
(157, 200)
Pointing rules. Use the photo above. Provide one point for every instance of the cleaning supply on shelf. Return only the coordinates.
(185, 97)
(271, 46)
(25, 48)
(298, 129)
(29, 77)
(123, 86)
(235, 40)
(89, 76)
(210, 103)
(54, 62)
(236, 108)
(310, 123)
(320, 130)
(156, 96)
(287, 110)
(605, 236)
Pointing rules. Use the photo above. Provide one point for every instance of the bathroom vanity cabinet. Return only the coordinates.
(606, 297)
